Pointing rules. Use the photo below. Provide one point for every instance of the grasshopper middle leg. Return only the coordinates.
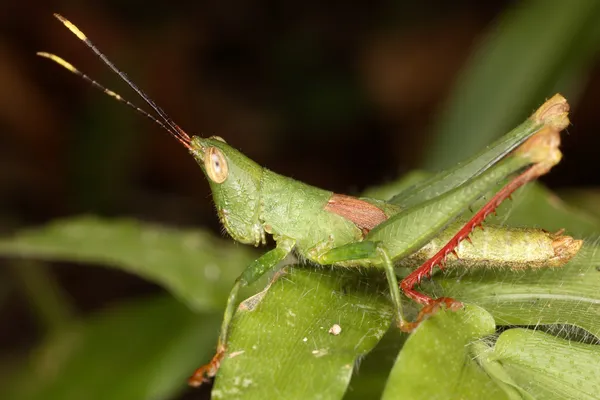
(375, 252)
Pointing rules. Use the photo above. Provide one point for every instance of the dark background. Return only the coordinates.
(339, 95)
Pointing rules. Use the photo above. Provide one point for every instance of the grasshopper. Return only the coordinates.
(326, 228)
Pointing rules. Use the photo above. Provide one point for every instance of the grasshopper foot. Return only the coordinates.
(430, 309)
(208, 371)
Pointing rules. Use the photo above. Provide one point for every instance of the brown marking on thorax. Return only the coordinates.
(364, 215)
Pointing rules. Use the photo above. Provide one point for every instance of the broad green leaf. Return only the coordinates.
(548, 367)
(481, 350)
(437, 361)
(192, 264)
(533, 48)
(141, 350)
(280, 345)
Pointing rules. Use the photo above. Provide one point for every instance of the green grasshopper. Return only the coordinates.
(332, 229)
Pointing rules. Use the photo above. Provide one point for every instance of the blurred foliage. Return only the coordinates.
(329, 82)
(587, 199)
(135, 350)
(192, 264)
(535, 50)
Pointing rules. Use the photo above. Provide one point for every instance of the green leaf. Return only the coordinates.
(280, 345)
(192, 264)
(530, 51)
(437, 360)
(140, 350)
(548, 367)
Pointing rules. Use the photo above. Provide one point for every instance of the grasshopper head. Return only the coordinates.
(234, 179)
(235, 184)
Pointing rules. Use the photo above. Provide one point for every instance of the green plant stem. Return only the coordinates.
(45, 296)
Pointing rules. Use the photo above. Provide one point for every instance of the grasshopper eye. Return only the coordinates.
(216, 165)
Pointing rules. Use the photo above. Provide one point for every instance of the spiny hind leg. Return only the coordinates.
(407, 285)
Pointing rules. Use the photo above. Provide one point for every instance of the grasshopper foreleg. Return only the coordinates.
(254, 271)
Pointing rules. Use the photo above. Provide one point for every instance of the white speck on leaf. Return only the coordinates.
(319, 353)
(247, 382)
(335, 330)
(305, 339)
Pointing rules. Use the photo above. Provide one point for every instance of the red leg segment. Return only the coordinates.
(208, 371)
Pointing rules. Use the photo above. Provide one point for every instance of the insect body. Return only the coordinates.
(328, 228)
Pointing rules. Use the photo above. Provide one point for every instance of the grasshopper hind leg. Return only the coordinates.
(432, 305)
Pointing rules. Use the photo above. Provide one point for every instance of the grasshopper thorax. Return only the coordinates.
(235, 182)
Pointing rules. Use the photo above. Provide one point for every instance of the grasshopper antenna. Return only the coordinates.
(183, 140)
(174, 130)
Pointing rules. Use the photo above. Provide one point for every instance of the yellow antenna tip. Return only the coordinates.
(70, 26)
(113, 94)
(58, 60)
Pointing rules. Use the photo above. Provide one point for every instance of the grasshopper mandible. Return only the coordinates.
(334, 229)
